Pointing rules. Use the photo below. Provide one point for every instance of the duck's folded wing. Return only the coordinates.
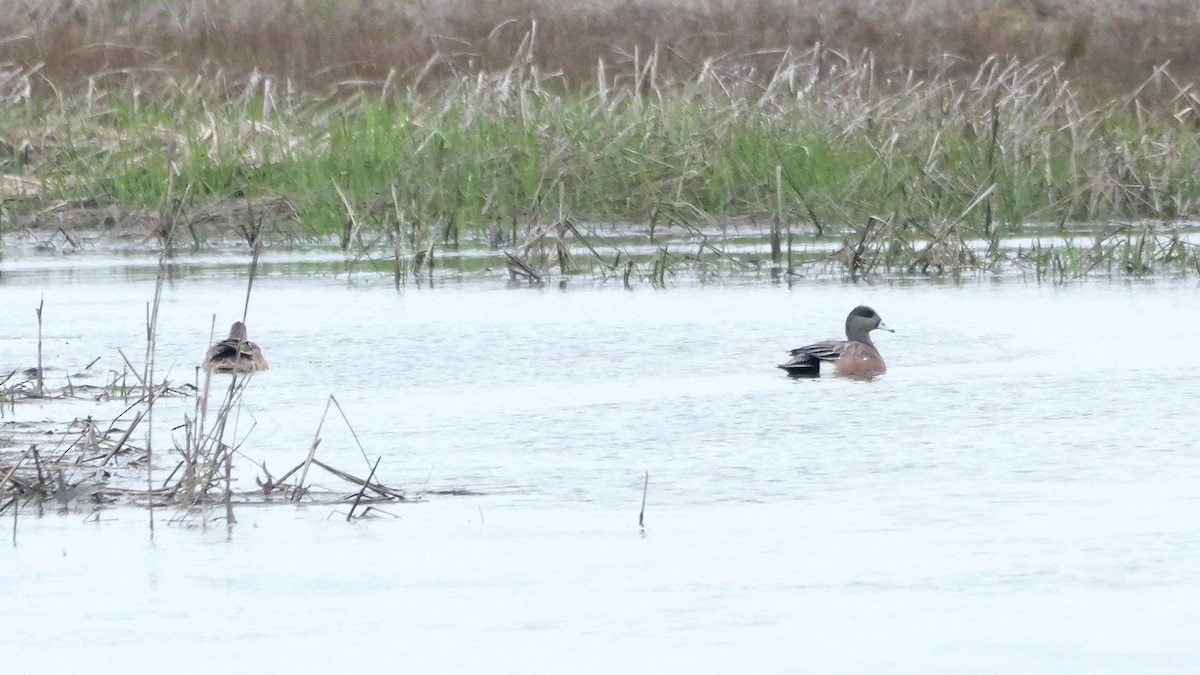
(220, 350)
(826, 350)
(233, 349)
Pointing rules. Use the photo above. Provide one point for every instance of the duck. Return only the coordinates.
(235, 355)
(855, 357)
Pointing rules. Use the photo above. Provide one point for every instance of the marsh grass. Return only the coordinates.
(905, 161)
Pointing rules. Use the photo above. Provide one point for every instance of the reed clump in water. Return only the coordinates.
(93, 463)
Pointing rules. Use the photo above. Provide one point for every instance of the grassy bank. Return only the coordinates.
(493, 152)
(904, 164)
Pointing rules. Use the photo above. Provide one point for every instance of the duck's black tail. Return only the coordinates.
(802, 365)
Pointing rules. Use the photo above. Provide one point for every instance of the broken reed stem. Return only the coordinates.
(377, 488)
(361, 490)
(382, 490)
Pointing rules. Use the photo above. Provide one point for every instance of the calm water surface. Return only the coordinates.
(1019, 493)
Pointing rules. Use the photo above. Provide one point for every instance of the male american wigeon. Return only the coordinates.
(856, 356)
(235, 355)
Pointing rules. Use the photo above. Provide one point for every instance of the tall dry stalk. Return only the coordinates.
(40, 388)
(149, 391)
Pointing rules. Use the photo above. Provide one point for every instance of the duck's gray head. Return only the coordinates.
(861, 322)
(237, 331)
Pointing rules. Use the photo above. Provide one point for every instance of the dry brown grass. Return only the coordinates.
(1108, 45)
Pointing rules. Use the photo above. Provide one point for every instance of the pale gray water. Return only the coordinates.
(1019, 493)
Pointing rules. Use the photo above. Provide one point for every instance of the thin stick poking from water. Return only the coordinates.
(349, 426)
(230, 520)
(642, 513)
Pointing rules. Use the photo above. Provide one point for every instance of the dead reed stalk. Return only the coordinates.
(41, 389)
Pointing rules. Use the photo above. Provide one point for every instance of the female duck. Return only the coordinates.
(856, 356)
(236, 355)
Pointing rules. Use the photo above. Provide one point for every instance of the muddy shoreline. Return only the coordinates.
(66, 225)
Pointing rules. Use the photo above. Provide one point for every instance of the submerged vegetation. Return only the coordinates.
(513, 140)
